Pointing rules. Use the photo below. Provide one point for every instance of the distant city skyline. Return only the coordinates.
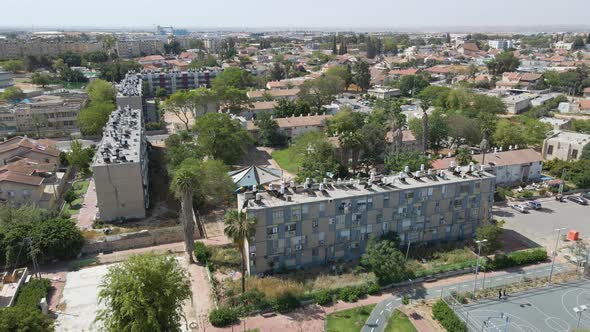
(379, 14)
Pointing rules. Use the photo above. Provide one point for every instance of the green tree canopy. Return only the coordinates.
(343, 72)
(101, 91)
(321, 91)
(93, 118)
(144, 293)
(412, 85)
(12, 94)
(503, 62)
(269, 132)
(222, 137)
(386, 262)
(397, 161)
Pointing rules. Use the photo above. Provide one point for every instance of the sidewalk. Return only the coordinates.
(89, 209)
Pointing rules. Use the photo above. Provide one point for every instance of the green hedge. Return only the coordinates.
(32, 292)
(517, 258)
(202, 253)
(447, 318)
(223, 316)
(285, 303)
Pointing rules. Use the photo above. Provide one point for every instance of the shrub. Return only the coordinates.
(405, 300)
(527, 194)
(447, 318)
(221, 317)
(32, 292)
(499, 196)
(323, 297)
(201, 252)
(373, 288)
(522, 257)
(285, 303)
(351, 293)
(70, 196)
(250, 302)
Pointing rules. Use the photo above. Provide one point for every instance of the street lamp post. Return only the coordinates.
(579, 310)
(477, 264)
(555, 252)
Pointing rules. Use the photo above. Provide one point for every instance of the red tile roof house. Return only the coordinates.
(585, 105)
(519, 80)
(586, 92)
(510, 167)
(19, 147)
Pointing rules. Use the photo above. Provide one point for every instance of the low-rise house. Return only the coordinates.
(383, 93)
(17, 148)
(509, 167)
(556, 123)
(258, 107)
(290, 94)
(564, 145)
(584, 105)
(524, 81)
(29, 182)
(586, 92)
(286, 84)
(295, 125)
(5, 79)
(155, 60)
(518, 103)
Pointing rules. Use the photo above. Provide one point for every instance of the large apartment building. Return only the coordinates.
(120, 167)
(45, 114)
(173, 81)
(313, 224)
(20, 48)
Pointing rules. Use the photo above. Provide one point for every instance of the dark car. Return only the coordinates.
(578, 199)
(586, 195)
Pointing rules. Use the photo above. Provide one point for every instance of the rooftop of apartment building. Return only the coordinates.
(570, 136)
(122, 138)
(296, 121)
(56, 99)
(131, 85)
(292, 193)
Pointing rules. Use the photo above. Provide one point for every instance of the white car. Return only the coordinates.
(520, 208)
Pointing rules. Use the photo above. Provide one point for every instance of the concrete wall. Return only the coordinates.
(139, 239)
(119, 189)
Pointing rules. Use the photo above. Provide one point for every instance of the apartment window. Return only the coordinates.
(386, 197)
(409, 196)
(443, 190)
(315, 252)
(458, 202)
(384, 226)
(290, 227)
(304, 210)
(402, 210)
(477, 186)
(369, 202)
(430, 191)
(340, 219)
(322, 207)
(277, 215)
(272, 230)
(296, 214)
(550, 150)
(574, 154)
(464, 189)
(357, 218)
(314, 223)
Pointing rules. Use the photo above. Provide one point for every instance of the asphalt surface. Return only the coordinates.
(540, 225)
(536, 310)
(377, 321)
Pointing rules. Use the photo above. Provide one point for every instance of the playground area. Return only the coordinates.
(558, 307)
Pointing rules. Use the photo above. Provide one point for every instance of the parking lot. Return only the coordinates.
(544, 309)
(539, 225)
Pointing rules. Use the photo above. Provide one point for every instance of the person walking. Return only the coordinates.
(499, 294)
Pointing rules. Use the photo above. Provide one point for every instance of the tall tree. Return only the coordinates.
(321, 91)
(239, 228)
(386, 261)
(362, 75)
(144, 293)
(269, 133)
(184, 181)
(222, 137)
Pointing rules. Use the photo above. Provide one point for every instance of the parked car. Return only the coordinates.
(586, 195)
(520, 208)
(578, 199)
(534, 205)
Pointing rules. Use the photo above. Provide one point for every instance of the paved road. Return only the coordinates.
(539, 225)
(377, 321)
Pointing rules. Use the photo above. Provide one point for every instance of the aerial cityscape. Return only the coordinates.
(388, 167)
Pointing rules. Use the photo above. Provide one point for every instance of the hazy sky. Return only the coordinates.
(298, 13)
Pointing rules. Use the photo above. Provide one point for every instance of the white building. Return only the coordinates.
(565, 145)
(500, 44)
(563, 45)
(382, 93)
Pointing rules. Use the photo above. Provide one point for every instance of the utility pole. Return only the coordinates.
(477, 264)
(555, 252)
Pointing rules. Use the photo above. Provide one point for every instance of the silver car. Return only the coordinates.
(520, 208)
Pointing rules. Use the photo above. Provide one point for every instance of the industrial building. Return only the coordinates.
(303, 225)
(120, 167)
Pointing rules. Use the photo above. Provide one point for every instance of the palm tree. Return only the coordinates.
(183, 183)
(239, 227)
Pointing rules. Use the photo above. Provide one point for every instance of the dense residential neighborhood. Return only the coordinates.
(178, 179)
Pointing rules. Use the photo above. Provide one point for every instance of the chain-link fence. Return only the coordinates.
(458, 297)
